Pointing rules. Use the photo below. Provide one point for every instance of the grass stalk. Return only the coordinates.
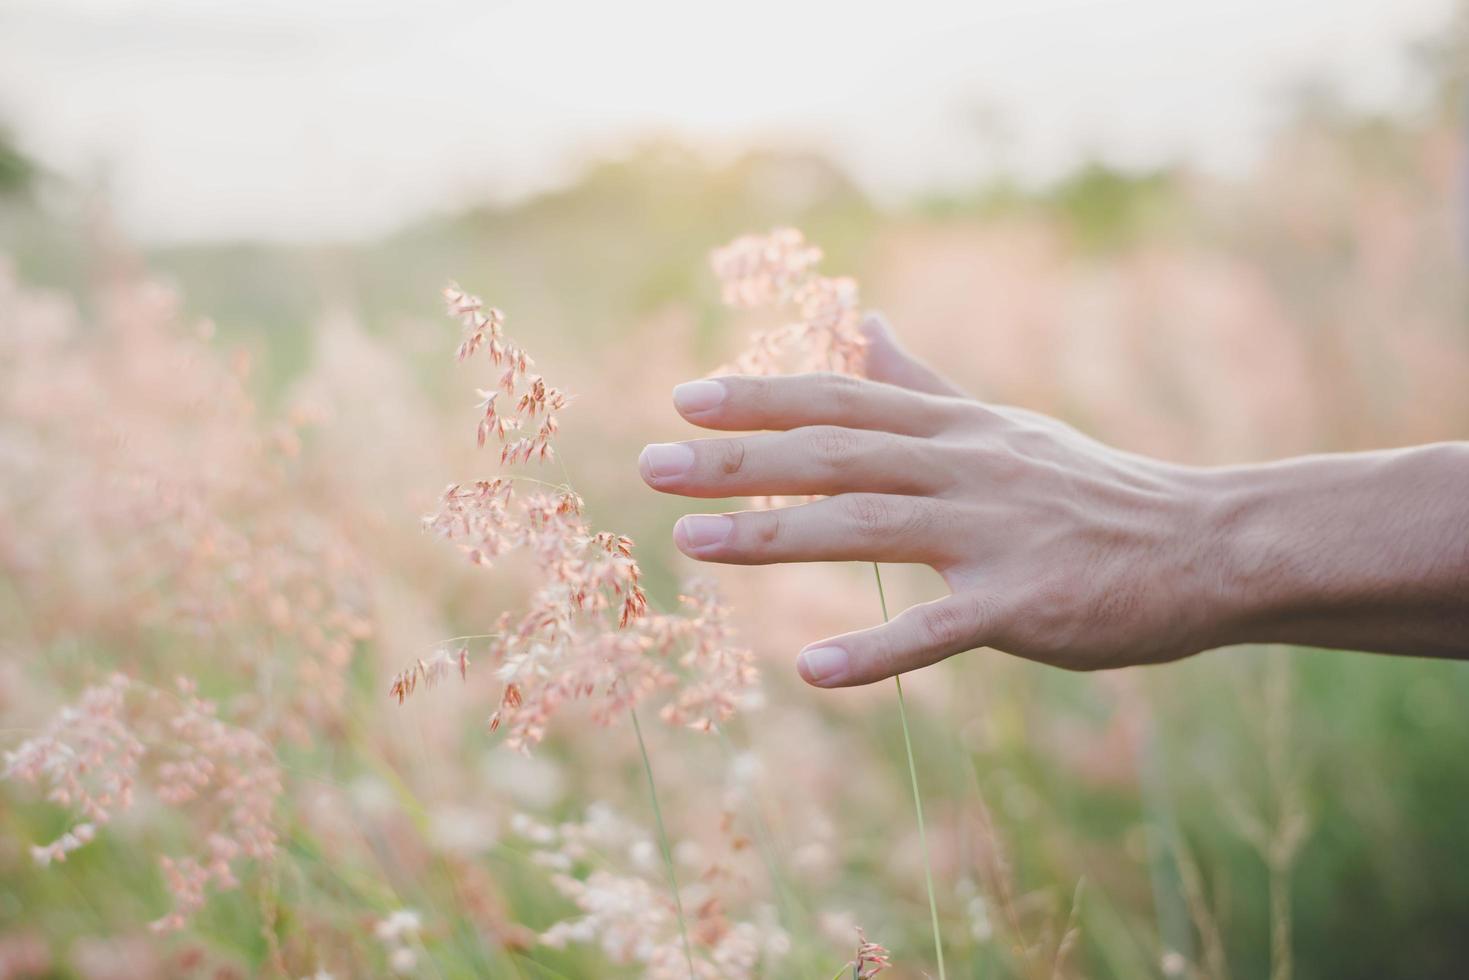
(933, 905)
(663, 846)
(683, 928)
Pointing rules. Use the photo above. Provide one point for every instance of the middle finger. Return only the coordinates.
(815, 459)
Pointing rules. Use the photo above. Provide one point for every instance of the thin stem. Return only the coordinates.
(683, 929)
(522, 478)
(469, 636)
(765, 838)
(663, 846)
(933, 905)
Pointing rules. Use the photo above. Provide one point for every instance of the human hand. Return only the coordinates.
(1055, 547)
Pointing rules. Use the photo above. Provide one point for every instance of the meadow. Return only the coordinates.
(262, 717)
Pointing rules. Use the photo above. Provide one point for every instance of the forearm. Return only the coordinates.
(1363, 551)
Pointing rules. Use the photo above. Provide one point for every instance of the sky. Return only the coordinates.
(311, 119)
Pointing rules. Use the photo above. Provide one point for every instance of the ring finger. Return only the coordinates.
(848, 527)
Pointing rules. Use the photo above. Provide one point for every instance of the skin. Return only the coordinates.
(1056, 547)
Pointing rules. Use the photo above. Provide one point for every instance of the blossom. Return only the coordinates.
(719, 672)
(430, 671)
(399, 925)
(122, 735)
(871, 959)
(586, 631)
(764, 270)
(89, 758)
(399, 934)
(777, 270)
(534, 402)
(610, 870)
(157, 498)
(231, 772)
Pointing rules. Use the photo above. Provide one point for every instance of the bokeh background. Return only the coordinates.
(1211, 232)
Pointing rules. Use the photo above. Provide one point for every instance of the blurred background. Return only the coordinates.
(1214, 232)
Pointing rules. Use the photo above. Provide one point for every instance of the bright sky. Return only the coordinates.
(310, 118)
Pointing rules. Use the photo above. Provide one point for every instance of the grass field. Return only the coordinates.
(214, 461)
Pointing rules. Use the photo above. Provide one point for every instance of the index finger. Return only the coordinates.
(747, 403)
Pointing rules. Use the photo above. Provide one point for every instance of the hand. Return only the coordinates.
(1055, 547)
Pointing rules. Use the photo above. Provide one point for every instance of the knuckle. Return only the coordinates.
(870, 513)
(728, 455)
(844, 391)
(889, 515)
(1052, 613)
(1023, 436)
(947, 624)
(831, 445)
(972, 415)
(948, 466)
(765, 527)
(945, 411)
(747, 391)
(1001, 463)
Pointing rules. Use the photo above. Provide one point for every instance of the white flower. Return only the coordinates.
(401, 925)
(403, 960)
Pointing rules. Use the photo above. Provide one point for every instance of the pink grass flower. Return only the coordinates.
(609, 869)
(123, 736)
(777, 271)
(586, 631)
(146, 493)
(871, 959)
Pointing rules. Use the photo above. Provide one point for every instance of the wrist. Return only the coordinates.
(1365, 551)
(1240, 554)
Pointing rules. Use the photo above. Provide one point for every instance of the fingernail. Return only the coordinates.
(703, 530)
(666, 459)
(823, 665)
(697, 396)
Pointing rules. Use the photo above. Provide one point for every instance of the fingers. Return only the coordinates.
(819, 459)
(916, 637)
(850, 527)
(747, 403)
(888, 361)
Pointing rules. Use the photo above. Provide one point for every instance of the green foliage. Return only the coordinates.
(1103, 208)
(17, 172)
(1106, 207)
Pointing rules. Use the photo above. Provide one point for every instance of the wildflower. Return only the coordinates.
(610, 871)
(121, 735)
(479, 324)
(586, 631)
(761, 270)
(430, 671)
(719, 672)
(400, 925)
(163, 502)
(399, 934)
(778, 270)
(871, 959)
(535, 402)
(89, 757)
